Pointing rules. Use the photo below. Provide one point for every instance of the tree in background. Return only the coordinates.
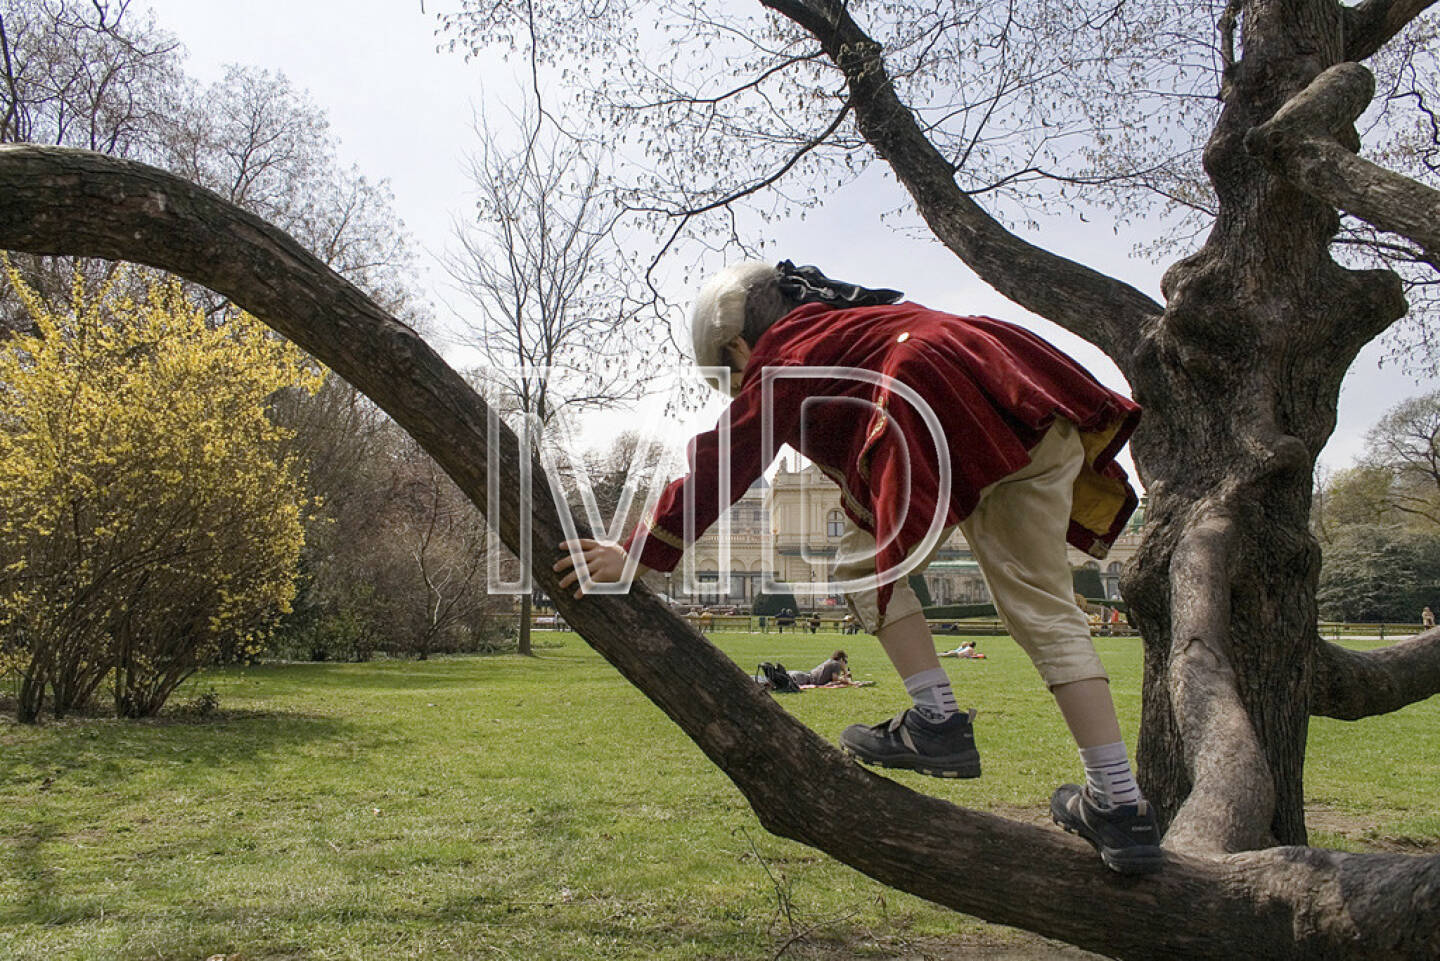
(1379, 573)
(768, 605)
(1405, 444)
(152, 517)
(1379, 521)
(101, 76)
(439, 599)
(88, 75)
(396, 563)
(547, 285)
(346, 442)
(1355, 496)
(83, 75)
(260, 143)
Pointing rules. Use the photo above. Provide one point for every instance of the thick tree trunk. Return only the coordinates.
(524, 646)
(1240, 379)
(1279, 903)
(30, 696)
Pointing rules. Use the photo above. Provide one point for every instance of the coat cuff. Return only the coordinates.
(658, 549)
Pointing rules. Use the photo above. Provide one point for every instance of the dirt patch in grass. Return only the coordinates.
(1365, 832)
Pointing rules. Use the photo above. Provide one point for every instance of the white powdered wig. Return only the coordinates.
(719, 312)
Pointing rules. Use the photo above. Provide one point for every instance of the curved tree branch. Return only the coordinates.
(71, 202)
(1103, 310)
(1311, 142)
(1232, 798)
(1350, 684)
(1370, 25)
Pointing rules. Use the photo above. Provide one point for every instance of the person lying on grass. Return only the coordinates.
(964, 650)
(834, 670)
(926, 421)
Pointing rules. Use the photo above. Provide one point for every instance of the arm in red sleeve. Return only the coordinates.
(732, 448)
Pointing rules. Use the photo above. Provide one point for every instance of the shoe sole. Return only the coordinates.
(956, 769)
(1144, 859)
(1123, 862)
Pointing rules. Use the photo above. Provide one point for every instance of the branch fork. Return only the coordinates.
(1311, 142)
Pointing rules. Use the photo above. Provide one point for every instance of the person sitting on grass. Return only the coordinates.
(1023, 462)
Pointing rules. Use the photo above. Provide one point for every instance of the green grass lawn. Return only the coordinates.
(528, 808)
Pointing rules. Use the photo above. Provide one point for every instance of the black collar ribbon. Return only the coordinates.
(807, 285)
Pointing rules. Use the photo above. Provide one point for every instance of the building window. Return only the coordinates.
(834, 524)
(708, 586)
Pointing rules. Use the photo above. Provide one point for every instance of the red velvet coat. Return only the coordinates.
(994, 388)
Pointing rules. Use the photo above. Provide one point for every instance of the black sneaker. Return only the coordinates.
(909, 741)
(1125, 835)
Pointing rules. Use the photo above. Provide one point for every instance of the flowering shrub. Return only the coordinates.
(150, 516)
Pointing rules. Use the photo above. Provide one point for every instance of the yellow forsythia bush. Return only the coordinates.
(150, 511)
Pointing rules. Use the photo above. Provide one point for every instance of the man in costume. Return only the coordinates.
(926, 421)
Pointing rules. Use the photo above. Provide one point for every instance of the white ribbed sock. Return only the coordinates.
(930, 690)
(1108, 776)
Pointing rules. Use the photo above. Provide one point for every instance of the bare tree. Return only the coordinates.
(87, 75)
(547, 283)
(1405, 445)
(1355, 497)
(263, 145)
(99, 75)
(626, 462)
(442, 589)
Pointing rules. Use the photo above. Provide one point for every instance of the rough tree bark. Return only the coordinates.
(1311, 142)
(1282, 902)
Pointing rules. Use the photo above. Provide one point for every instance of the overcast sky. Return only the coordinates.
(402, 112)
